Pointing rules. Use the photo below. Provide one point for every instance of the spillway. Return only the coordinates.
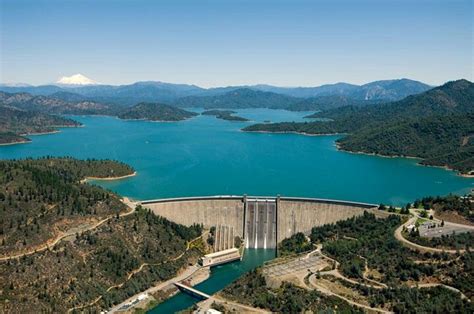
(260, 223)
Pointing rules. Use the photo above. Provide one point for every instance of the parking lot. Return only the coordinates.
(447, 229)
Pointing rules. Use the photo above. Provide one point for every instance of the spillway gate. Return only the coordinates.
(260, 229)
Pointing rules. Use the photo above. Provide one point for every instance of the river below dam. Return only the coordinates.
(220, 277)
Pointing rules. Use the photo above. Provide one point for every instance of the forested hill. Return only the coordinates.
(30, 189)
(408, 127)
(23, 113)
(15, 123)
(156, 112)
(228, 115)
(439, 140)
(452, 97)
(59, 103)
(42, 199)
(321, 103)
(238, 99)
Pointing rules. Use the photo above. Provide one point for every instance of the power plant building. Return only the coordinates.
(219, 258)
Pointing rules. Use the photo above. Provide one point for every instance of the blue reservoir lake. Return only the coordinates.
(208, 156)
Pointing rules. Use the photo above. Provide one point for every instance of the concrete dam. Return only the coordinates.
(262, 222)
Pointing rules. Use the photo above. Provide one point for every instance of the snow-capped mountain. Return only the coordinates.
(76, 79)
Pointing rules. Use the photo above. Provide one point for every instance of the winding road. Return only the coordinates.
(423, 249)
(51, 243)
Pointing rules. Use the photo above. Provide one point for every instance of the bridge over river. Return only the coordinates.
(262, 221)
(190, 290)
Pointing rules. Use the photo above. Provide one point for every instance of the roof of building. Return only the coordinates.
(220, 253)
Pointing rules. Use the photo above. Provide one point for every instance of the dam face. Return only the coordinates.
(262, 222)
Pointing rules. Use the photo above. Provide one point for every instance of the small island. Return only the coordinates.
(228, 115)
(156, 112)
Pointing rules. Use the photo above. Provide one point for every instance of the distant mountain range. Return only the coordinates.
(387, 90)
(57, 103)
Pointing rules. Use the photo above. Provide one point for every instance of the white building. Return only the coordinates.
(221, 257)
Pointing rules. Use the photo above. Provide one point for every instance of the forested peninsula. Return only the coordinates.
(22, 115)
(437, 126)
(16, 124)
(156, 112)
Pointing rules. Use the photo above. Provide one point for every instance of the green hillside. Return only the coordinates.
(228, 115)
(58, 103)
(321, 103)
(238, 99)
(14, 123)
(41, 199)
(156, 112)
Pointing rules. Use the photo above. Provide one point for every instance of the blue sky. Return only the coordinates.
(217, 43)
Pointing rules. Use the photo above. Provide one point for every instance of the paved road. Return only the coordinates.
(185, 274)
(423, 249)
(189, 271)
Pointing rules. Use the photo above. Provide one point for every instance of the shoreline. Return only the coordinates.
(338, 147)
(41, 133)
(109, 178)
(447, 168)
(294, 132)
(16, 143)
(157, 121)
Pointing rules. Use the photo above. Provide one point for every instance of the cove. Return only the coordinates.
(208, 156)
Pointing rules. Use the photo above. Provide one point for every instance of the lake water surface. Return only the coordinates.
(208, 156)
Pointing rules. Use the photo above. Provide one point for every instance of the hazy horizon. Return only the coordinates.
(20, 84)
(214, 44)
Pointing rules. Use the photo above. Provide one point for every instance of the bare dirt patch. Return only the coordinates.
(452, 216)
